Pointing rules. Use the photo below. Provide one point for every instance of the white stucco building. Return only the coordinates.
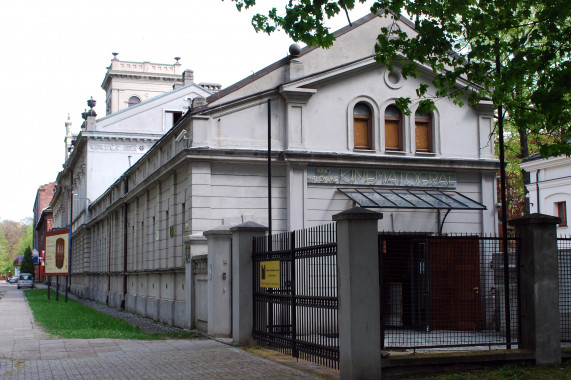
(336, 138)
(549, 187)
(108, 146)
(128, 83)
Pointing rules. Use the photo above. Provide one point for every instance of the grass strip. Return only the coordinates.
(73, 320)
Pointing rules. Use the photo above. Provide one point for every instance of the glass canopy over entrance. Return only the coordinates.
(411, 199)
(445, 200)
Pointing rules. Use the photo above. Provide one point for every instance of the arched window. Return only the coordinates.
(133, 100)
(393, 128)
(362, 126)
(423, 132)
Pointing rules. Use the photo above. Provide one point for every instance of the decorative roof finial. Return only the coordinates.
(91, 103)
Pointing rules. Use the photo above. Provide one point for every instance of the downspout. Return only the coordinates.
(68, 279)
(109, 226)
(269, 170)
(537, 189)
(125, 245)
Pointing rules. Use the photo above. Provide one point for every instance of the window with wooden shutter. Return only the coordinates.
(362, 127)
(562, 213)
(423, 132)
(393, 128)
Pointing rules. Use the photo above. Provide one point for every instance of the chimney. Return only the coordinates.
(187, 77)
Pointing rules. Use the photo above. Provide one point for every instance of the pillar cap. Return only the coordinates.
(357, 213)
(535, 219)
(220, 230)
(249, 226)
(190, 239)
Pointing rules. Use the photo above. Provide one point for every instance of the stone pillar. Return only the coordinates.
(219, 281)
(242, 282)
(194, 245)
(539, 287)
(359, 294)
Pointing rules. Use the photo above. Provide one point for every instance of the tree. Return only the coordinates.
(11, 235)
(27, 265)
(28, 234)
(460, 41)
(5, 264)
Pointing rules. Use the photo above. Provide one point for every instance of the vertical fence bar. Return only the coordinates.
(295, 352)
(382, 288)
(564, 274)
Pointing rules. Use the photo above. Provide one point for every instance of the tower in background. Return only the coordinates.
(129, 83)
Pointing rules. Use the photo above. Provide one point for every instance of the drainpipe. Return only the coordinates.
(68, 278)
(125, 246)
(269, 170)
(109, 226)
(537, 188)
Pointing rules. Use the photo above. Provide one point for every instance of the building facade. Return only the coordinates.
(129, 83)
(106, 147)
(43, 222)
(336, 139)
(549, 187)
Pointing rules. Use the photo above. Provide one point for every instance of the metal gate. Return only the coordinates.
(447, 291)
(295, 293)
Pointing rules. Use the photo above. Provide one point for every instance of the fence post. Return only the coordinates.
(219, 281)
(539, 287)
(242, 281)
(359, 295)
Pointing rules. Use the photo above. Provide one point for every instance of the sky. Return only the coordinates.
(54, 56)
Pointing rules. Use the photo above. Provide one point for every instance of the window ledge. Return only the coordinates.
(427, 154)
(395, 152)
(363, 150)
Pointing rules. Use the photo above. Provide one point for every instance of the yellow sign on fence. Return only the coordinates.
(270, 274)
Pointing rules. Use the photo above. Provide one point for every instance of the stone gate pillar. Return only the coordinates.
(359, 294)
(242, 281)
(539, 287)
(219, 281)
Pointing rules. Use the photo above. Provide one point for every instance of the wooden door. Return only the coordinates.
(455, 284)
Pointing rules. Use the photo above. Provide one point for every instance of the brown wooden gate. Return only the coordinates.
(431, 282)
(456, 303)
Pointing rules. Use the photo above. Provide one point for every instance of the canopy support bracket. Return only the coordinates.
(441, 223)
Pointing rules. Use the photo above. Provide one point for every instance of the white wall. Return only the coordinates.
(551, 179)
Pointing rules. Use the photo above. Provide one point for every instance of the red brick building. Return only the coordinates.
(42, 224)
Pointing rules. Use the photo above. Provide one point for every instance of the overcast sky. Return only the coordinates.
(55, 54)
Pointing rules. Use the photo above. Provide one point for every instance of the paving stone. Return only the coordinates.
(27, 352)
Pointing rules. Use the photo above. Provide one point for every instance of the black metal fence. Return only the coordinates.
(295, 294)
(564, 269)
(446, 291)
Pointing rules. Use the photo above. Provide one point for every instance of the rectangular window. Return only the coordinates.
(171, 118)
(392, 135)
(562, 213)
(361, 127)
(423, 136)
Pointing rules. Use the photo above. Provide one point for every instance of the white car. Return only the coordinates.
(26, 280)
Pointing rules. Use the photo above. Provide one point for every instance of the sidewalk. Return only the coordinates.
(27, 352)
